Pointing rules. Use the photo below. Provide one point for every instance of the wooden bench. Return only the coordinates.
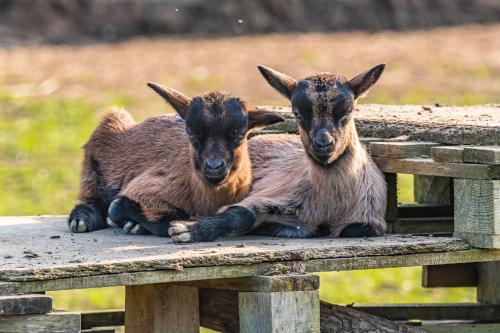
(261, 284)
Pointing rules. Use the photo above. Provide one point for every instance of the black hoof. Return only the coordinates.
(85, 218)
(357, 230)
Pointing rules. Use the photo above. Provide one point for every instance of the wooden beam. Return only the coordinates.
(482, 155)
(460, 327)
(448, 154)
(406, 149)
(424, 210)
(55, 322)
(273, 312)
(428, 167)
(423, 226)
(477, 212)
(432, 190)
(294, 282)
(455, 275)
(161, 308)
(25, 304)
(391, 212)
(488, 289)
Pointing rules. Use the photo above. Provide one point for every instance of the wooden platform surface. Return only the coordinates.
(470, 125)
(40, 253)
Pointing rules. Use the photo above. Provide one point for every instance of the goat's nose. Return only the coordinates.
(323, 139)
(213, 164)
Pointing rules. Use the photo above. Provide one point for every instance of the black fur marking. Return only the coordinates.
(89, 215)
(124, 209)
(300, 230)
(235, 220)
(357, 230)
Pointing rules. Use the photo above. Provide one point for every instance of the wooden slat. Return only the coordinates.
(294, 282)
(161, 308)
(424, 210)
(25, 304)
(449, 154)
(391, 212)
(482, 155)
(447, 125)
(423, 225)
(102, 318)
(488, 288)
(407, 149)
(477, 211)
(424, 166)
(456, 275)
(436, 311)
(56, 322)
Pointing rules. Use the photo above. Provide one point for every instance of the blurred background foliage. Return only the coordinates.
(51, 98)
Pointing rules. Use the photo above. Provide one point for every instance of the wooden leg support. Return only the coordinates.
(161, 308)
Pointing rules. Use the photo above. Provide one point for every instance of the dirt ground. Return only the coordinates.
(449, 65)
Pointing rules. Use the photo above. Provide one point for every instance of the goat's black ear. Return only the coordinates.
(178, 101)
(361, 83)
(284, 84)
(261, 118)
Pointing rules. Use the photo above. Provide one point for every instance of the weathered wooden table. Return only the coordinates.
(258, 284)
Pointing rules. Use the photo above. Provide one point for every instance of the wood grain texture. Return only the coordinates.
(391, 210)
(449, 154)
(102, 318)
(106, 253)
(456, 275)
(273, 312)
(56, 322)
(406, 149)
(477, 206)
(161, 308)
(488, 288)
(25, 304)
(428, 167)
(432, 190)
(473, 125)
(460, 327)
(482, 155)
(422, 226)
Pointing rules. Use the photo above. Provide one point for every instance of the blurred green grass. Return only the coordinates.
(40, 156)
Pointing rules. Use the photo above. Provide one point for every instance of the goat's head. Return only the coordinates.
(217, 125)
(323, 105)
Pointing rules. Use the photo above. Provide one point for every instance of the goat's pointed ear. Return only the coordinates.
(178, 101)
(361, 83)
(284, 84)
(262, 118)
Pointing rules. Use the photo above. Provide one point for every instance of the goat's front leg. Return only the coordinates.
(242, 218)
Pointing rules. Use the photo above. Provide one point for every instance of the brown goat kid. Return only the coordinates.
(321, 182)
(145, 175)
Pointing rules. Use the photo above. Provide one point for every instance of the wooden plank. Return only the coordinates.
(432, 190)
(161, 308)
(488, 288)
(295, 311)
(102, 318)
(219, 310)
(423, 226)
(110, 252)
(99, 330)
(461, 327)
(424, 210)
(391, 211)
(424, 166)
(482, 155)
(449, 154)
(477, 211)
(433, 311)
(407, 149)
(55, 322)
(447, 125)
(25, 304)
(456, 275)
(318, 265)
(294, 282)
